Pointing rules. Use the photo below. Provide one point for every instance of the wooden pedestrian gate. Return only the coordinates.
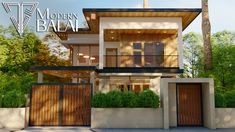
(60, 105)
(189, 104)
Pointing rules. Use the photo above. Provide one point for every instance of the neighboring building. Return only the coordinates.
(135, 50)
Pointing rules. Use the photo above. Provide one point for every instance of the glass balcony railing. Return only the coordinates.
(141, 61)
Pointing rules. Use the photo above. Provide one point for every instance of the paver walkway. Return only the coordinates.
(88, 129)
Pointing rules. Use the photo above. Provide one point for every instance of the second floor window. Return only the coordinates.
(137, 49)
(148, 54)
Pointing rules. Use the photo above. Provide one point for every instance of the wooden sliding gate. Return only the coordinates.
(60, 105)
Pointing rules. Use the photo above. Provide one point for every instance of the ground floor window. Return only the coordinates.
(135, 87)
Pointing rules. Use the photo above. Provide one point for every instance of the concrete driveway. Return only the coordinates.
(87, 129)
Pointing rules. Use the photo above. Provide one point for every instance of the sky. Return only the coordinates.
(221, 11)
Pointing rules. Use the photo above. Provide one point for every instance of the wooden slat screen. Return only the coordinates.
(76, 105)
(45, 105)
(60, 105)
(189, 105)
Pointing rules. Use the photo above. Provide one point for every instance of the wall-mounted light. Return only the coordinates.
(112, 37)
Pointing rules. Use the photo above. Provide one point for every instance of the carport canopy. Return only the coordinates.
(65, 71)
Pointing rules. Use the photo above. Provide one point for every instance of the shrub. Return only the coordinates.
(129, 99)
(148, 98)
(230, 99)
(114, 99)
(99, 100)
(117, 99)
(220, 101)
(13, 89)
(13, 99)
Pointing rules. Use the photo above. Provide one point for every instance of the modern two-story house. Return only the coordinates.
(132, 50)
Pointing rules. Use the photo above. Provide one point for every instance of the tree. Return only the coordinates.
(192, 50)
(206, 31)
(224, 60)
(53, 42)
(17, 56)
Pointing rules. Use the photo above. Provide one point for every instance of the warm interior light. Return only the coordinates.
(92, 58)
(86, 56)
(138, 32)
(112, 37)
(80, 54)
(111, 32)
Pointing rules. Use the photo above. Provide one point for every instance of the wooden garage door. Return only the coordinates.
(189, 106)
(60, 105)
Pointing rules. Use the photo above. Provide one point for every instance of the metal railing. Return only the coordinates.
(141, 61)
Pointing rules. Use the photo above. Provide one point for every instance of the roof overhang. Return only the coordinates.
(66, 71)
(92, 16)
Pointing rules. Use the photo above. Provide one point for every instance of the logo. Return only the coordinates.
(24, 11)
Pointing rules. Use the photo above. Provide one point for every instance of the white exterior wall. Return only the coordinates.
(140, 23)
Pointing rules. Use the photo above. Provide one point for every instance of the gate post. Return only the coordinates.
(40, 77)
(92, 81)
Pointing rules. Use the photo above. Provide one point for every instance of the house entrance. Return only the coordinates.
(111, 57)
(189, 105)
(60, 105)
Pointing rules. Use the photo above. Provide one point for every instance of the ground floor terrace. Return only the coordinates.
(183, 102)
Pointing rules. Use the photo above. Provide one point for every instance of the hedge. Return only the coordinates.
(230, 99)
(13, 89)
(117, 99)
(220, 101)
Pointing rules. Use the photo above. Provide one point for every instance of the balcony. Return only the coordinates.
(161, 61)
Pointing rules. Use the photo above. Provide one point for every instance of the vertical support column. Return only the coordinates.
(165, 103)
(101, 47)
(211, 104)
(75, 55)
(180, 46)
(40, 77)
(155, 85)
(75, 61)
(92, 81)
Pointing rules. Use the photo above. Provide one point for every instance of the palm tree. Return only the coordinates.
(206, 31)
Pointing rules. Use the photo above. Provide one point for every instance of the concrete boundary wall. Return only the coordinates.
(126, 118)
(14, 117)
(225, 117)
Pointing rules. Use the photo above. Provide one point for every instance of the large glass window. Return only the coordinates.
(88, 55)
(154, 54)
(137, 47)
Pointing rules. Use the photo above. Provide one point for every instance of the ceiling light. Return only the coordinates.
(112, 37)
(86, 56)
(88, 18)
(138, 32)
(111, 32)
(80, 54)
(92, 58)
(93, 16)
